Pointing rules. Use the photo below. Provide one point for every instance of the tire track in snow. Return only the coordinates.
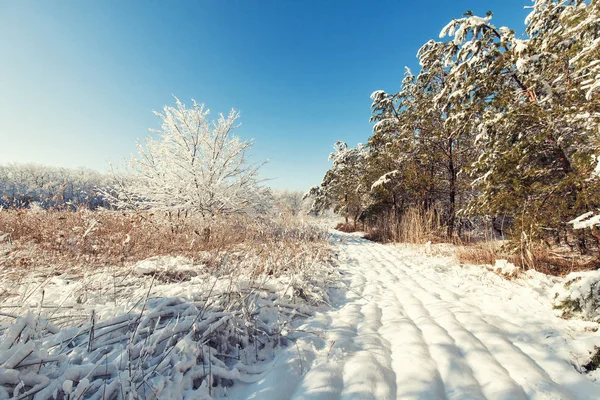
(499, 355)
(368, 374)
(532, 378)
(400, 333)
(415, 369)
(414, 349)
(470, 369)
(525, 370)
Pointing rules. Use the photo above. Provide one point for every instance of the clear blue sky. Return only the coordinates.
(79, 79)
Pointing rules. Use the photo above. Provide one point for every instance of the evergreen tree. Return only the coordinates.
(341, 187)
(493, 125)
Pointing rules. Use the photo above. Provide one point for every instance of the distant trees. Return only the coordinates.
(290, 203)
(23, 184)
(194, 165)
(492, 126)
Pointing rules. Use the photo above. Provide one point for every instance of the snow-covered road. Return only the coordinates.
(410, 326)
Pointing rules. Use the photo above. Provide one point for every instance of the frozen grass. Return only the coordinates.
(102, 238)
(416, 226)
(481, 253)
(109, 305)
(557, 262)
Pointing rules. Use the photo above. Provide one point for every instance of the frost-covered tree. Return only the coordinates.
(290, 202)
(192, 165)
(538, 125)
(432, 133)
(341, 187)
(22, 184)
(398, 172)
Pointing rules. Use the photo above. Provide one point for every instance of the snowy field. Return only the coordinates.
(383, 322)
(164, 328)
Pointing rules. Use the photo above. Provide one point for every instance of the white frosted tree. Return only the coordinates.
(290, 203)
(193, 165)
(22, 184)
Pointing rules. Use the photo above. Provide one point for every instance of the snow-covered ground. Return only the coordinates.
(165, 328)
(391, 322)
(411, 326)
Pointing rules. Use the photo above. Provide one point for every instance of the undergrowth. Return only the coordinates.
(109, 305)
(100, 238)
(594, 362)
(541, 259)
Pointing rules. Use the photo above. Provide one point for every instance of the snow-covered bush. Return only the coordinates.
(579, 296)
(195, 165)
(506, 268)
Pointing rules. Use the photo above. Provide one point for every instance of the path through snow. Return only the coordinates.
(415, 327)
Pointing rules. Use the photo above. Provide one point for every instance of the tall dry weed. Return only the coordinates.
(415, 225)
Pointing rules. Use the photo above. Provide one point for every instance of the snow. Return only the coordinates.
(506, 268)
(387, 123)
(161, 328)
(67, 386)
(521, 64)
(519, 45)
(160, 264)
(394, 321)
(384, 179)
(579, 295)
(586, 220)
(377, 94)
(596, 172)
(405, 325)
(482, 178)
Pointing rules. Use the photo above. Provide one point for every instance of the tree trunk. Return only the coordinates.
(346, 205)
(396, 218)
(452, 194)
(431, 187)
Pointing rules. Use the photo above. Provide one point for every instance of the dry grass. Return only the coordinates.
(235, 300)
(101, 238)
(555, 262)
(419, 226)
(558, 262)
(237, 297)
(349, 227)
(416, 226)
(480, 253)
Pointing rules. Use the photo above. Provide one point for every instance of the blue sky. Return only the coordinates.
(79, 79)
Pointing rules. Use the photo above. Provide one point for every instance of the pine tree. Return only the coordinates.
(538, 119)
(341, 187)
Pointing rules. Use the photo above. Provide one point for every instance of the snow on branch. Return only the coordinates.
(193, 164)
(384, 179)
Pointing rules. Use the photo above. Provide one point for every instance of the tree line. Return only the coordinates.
(22, 185)
(492, 127)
